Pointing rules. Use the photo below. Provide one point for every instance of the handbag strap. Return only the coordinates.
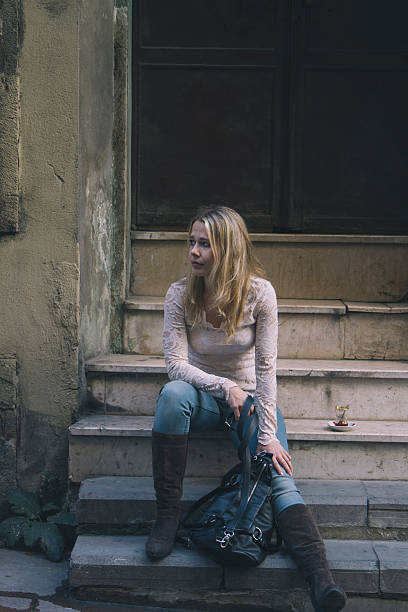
(247, 426)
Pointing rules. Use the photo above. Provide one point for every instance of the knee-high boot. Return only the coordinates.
(299, 531)
(169, 455)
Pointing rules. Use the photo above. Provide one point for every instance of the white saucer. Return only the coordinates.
(332, 425)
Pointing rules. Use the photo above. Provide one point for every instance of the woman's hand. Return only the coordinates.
(236, 400)
(280, 456)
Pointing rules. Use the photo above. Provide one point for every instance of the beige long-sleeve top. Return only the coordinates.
(201, 356)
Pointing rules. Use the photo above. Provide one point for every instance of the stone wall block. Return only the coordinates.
(393, 563)
(338, 270)
(376, 336)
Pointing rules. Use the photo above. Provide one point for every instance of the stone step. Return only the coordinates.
(116, 568)
(358, 268)
(307, 388)
(315, 329)
(105, 445)
(343, 508)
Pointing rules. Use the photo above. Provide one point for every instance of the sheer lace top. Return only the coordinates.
(201, 355)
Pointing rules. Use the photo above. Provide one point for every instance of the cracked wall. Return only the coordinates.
(8, 426)
(56, 227)
(39, 272)
(56, 248)
(95, 163)
(9, 115)
(120, 205)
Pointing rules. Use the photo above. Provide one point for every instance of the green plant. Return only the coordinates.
(38, 521)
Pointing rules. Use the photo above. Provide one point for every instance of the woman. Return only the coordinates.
(220, 343)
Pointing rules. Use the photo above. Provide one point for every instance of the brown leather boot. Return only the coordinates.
(169, 454)
(298, 529)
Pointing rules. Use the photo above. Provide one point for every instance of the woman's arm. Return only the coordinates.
(266, 349)
(175, 346)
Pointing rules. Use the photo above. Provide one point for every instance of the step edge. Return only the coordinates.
(289, 238)
(285, 306)
(342, 368)
(114, 426)
(289, 306)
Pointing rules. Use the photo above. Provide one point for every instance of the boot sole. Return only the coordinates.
(333, 601)
(156, 557)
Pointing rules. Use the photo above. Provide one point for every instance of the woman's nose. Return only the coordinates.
(195, 250)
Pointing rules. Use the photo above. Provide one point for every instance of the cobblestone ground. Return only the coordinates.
(30, 583)
(28, 604)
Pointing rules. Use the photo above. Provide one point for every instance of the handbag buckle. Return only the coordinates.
(223, 542)
(234, 480)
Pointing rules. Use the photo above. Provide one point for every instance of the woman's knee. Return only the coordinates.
(176, 391)
(173, 408)
(176, 397)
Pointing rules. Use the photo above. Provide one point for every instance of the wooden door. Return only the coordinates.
(349, 117)
(291, 111)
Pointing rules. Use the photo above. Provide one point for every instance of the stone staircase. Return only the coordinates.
(343, 339)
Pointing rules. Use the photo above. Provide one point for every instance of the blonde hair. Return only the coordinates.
(234, 264)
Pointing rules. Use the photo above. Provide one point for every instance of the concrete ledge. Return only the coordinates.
(354, 565)
(360, 567)
(387, 503)
(130, 500)
(377, 307)
(354, 268)
(298, 306)
(285, 367)
(393, 562)
(297, 429)
(121, 561)
(120, 446)
(308, 329)
(141, 302)
(299, 397)
(301, 238)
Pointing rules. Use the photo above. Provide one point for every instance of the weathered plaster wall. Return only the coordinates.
(39, 272)
(61, 250)
(9, 114)
(120, 204)
(95, 163)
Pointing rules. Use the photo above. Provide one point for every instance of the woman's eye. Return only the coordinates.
(206, 245)
(191, 242)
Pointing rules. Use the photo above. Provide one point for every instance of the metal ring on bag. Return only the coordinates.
(257, 534)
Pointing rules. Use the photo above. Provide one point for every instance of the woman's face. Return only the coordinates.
(201, 255)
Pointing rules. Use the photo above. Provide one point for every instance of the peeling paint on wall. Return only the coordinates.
(120, 212)
(95, 148)
(8, 427)
(54, 7)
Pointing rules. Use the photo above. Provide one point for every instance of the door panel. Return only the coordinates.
(208, 98)
(222, 24)
(183, 163)
(350, 125)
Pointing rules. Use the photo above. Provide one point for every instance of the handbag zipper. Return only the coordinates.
(257, 481)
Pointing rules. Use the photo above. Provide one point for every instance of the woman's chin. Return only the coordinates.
(197, 271)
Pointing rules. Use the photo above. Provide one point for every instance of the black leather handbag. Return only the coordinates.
(234, 523)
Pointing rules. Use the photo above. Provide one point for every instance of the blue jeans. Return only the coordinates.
(182, 408)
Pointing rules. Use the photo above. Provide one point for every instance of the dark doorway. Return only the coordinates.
(292, 112)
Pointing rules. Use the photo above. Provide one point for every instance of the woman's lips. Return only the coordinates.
(196, 264)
